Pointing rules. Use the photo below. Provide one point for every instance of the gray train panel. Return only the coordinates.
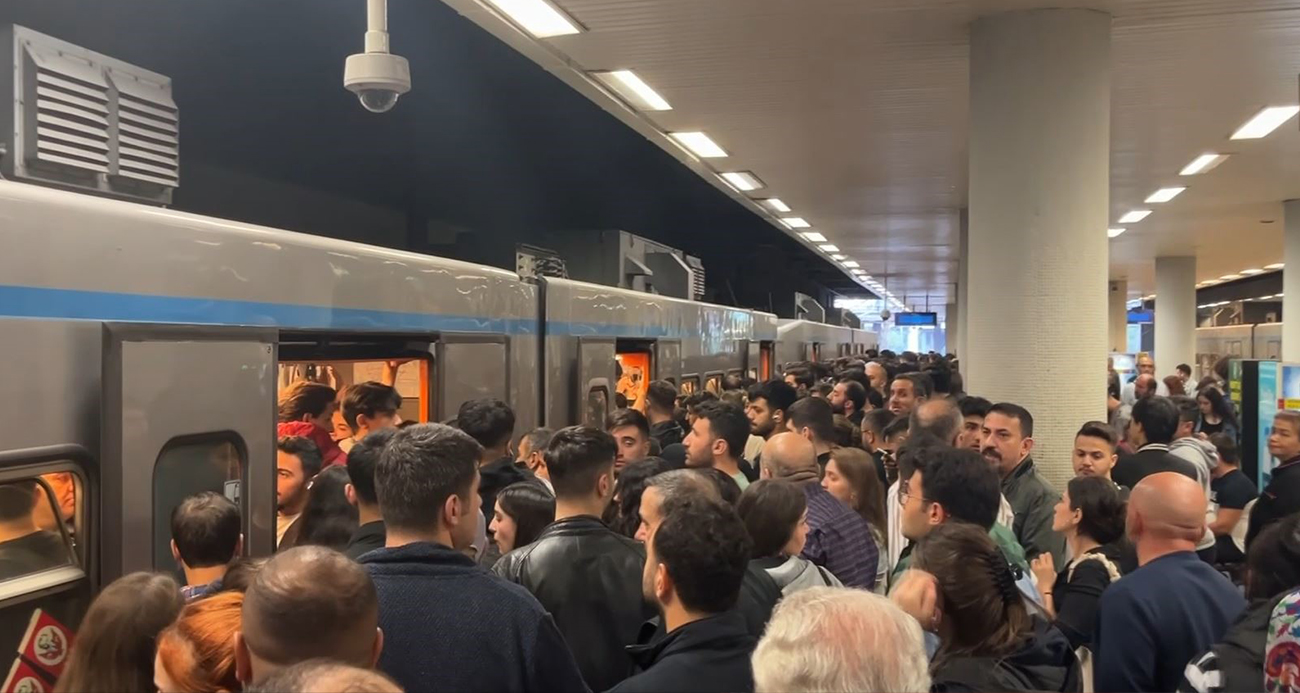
(801, 340)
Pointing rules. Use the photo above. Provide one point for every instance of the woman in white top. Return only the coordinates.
(775, 513)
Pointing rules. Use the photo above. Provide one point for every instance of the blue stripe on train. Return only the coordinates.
(75, 304)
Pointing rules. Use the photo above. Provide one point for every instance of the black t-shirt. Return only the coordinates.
(1232, 491)
(32, 553)
(1210, 429)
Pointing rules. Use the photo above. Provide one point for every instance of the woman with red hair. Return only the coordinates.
(196, 654)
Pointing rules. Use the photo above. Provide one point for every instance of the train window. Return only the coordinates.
(634, 377)
(690, 385)
(37, 542)
(764, 361)
(190, 465)
(713, 383)
(597, 405)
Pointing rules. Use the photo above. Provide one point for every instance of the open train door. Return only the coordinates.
(187, 408)
(596, 380)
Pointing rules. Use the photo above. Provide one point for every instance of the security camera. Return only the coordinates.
(884, 314)
(377, 79)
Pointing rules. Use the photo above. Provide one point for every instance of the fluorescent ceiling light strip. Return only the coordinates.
(1164, 195)
(538, 17)
(1265, 122)
(634, 90)
(1135, 216)
(1251, 271)
(850, 263)
(1203, 164)
(700, 144)
(830, 248)
(743, 180)
(796, 222)
(1229, 277)
(1275, 266)
(813, 236)
(1114, 233)
(777, 205)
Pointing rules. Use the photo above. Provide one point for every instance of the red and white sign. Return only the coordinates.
(46, 643)
(24, 679)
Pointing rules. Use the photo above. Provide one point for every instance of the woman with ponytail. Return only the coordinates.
(963, 590)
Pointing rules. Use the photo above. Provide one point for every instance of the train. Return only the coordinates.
(1258, 341)
(144, 349)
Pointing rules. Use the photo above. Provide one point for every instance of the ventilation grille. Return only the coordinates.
(71, 125)
(87, 121)
(697, 277)
(147, 129)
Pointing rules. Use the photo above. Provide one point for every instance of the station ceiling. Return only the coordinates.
(854, 113)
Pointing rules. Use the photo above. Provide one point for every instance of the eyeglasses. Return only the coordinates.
(904, 492)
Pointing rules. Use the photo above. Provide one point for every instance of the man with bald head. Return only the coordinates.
(307, 602)
(839, 539)
(1145, 383)
(940, 418)
(1175, 606)
(877, 376)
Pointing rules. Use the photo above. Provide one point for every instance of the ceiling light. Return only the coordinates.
(829, 247)
(838, 256)
(699, 144)
(1229, 277)
(1275, 266)
(1277, 295)
(538, 17)
(813, 236)
(777, 204)
(1164, 195)
(862, 274)
(1112, 233)
(851, 263)
(633, 90)
(1251, 271)
(796, 222)
(1264, 122)
(743, 180)
(1211, 282)
(1135, 216)
(1203, 164)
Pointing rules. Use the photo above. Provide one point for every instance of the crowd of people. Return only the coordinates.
(859, 525)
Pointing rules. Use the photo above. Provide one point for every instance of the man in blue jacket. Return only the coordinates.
(448, 624)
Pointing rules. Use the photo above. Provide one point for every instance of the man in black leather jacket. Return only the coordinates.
(585, 574)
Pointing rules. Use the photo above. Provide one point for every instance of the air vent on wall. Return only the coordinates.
(697, 277)
(86, 121)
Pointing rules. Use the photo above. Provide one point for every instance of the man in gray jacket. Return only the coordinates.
(1007, 441)
(1203, 455)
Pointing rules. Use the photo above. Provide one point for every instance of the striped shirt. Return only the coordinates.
(839, 539)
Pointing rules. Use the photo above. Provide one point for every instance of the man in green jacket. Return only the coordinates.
(1008, 440)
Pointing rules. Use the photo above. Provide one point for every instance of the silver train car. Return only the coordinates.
(1260, 341)
(145, 348)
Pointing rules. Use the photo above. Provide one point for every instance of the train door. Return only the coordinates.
(753, 360)
(814, 352)
(637, 366)
(765, 351)
(596, 380)
(187, 408)
(470, 367)
(668, 361)
(47, 558)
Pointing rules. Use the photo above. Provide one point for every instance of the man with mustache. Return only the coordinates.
(1008, 440)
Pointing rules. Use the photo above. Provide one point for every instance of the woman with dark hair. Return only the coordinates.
(851, 477)
(328, 519)
(623, 514)
(1090, 515)
(1217, 415)
(1174, 385)
(1272, 573)
(114, 648)
(523, 510)
(964, 590)
(775, 514)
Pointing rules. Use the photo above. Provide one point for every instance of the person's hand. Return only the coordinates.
(1044, 571)
(1112, 404)
(917, 593)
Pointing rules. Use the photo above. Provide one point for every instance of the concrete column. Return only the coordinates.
(951, 313)
(1039, 201)
(1117, 332)
(1291, 283)
(1175, 313)
(963, 284)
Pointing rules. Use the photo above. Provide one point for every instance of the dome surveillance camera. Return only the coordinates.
(884, 314)
(377, 79)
